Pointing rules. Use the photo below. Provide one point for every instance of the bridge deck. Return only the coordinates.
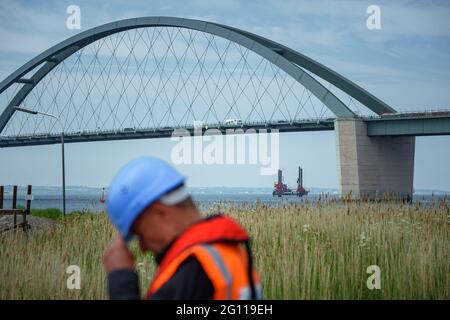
(167, 132)
(410, 124)
(399, 124)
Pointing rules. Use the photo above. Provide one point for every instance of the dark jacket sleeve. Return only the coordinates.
(123, 285)
(189, 282)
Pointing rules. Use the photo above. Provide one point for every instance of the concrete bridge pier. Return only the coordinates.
(373, 166)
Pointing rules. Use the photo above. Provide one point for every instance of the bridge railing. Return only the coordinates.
(412, 114)
(246, 124)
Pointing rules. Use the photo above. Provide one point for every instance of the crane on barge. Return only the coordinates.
(281, 189)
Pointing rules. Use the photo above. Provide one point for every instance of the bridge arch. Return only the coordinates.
(284, 58)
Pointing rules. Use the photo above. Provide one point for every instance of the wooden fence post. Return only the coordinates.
(14, 211)
(14, 205)
(2, 190)
(28, 211)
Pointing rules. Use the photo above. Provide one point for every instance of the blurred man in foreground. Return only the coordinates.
(198, 258)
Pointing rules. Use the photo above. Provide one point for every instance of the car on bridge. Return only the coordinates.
(232, 122)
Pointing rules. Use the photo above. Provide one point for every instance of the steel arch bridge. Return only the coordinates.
(144, 77)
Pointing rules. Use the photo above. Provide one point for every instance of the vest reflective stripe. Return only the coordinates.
(223, 269)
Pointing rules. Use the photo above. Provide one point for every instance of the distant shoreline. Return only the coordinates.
(211, 190)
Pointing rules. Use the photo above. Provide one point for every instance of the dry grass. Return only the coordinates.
(308, 251)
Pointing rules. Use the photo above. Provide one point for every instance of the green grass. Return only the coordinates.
(306, 251)
(51, 213)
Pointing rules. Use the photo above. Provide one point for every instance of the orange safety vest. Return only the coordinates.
(221, 247)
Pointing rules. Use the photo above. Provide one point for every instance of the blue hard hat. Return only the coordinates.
(137, 185)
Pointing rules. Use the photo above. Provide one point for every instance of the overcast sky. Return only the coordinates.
(406, 64)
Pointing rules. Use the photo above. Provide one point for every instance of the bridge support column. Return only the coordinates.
(373, 166)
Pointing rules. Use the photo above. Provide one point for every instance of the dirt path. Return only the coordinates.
(36, 223)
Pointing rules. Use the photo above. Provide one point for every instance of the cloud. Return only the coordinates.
(412, 43)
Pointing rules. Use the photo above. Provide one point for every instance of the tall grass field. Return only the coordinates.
(305, 251)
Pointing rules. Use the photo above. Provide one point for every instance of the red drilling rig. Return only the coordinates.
(281, 189)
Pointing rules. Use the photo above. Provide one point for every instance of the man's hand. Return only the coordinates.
(117, 256)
